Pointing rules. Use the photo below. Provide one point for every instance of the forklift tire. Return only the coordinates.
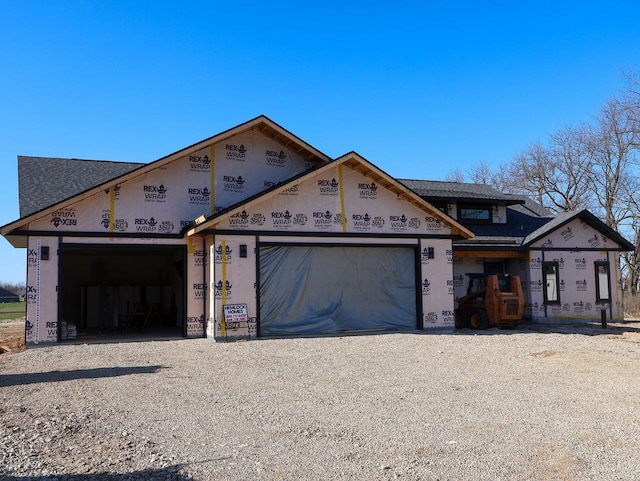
(478, 320)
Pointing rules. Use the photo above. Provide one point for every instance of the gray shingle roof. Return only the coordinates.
(460, 191)
(45, 181)
(586, 216)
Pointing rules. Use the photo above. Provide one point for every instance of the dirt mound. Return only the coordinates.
(12, 336)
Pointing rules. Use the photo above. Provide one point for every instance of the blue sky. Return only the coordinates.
(417, 88)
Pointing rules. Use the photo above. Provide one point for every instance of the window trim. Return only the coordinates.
(596, 266)
(546, 264)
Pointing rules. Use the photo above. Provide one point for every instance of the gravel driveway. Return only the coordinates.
(527, 404)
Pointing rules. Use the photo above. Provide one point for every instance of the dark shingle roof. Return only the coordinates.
(45, 181)
(584, 215)
(8, 296)
(524, 216)
(459, 191)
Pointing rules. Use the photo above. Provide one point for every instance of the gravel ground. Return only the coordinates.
(531, 404)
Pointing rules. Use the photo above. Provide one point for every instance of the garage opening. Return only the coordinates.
(311, 290)
(123, 290)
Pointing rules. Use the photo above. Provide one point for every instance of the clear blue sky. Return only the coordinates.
(417, 88)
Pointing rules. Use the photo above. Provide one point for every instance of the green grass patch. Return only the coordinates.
(12, 310)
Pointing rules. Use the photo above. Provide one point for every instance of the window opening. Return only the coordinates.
(602, 281)
(474, 213)
(551, 274)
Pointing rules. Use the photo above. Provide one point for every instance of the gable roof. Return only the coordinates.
(43, 181)
(565, 217)
(359, 164)
(74, 186)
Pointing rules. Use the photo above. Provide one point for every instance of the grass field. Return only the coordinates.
(12, 310)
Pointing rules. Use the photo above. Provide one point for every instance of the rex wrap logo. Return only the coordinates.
(106, 219)
(223, 255)
(433, 224)
(232, 183)
(32, 257)
(119, 225)
(328, 187)
(581, 264)
(154, 193)
(322, 220)
(275, 158)
(116, 192)
(398, 222)
(200, 257)
(361, 221)
(293, 190)
(567, 234)
(548, 244)
(64, 218)
(368, 191)
(448, 317)
(426, 287)
(146, 225)
(195, 325)
(199, 290)
(199, 163)
(281, 219)
(199, 196)
(535, 263)
(594, 241)
(581, 286)
(235, 152)
(535, 286)
(31, 294)
(220, 289)
(239, 219)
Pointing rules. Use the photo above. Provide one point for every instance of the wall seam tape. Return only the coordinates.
(112, 208)
(38, 258)
(212, 172)
(343, 214)
(223, 289)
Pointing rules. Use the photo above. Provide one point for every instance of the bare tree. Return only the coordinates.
(530, 169)
(556, 175)
(481, 173)
(455, 175)
(612, 147)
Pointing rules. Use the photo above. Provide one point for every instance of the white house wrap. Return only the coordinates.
(257, 223)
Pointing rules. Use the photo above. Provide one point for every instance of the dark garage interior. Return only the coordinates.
(131, 290)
